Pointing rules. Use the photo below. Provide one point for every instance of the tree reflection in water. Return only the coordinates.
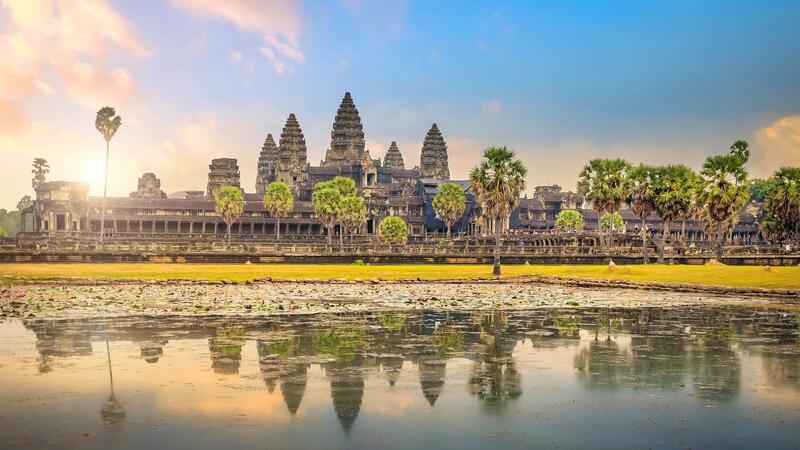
(112, 412)
(691, 351)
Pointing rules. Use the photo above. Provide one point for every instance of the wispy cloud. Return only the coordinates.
(62, 47)
(277, 22)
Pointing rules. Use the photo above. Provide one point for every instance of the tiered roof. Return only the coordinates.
(394, 159)
(347, 136)
(433, 160)
(292, 148)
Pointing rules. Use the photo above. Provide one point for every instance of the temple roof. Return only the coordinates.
(347, 135)
(394, 159)
(433, 158)
(292, 143)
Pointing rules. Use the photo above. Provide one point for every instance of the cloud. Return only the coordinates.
(277, 22)
(235, 56)
(776, 145)
(68, 41)
(491, 107)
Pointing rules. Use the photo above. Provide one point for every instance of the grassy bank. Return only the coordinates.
(735, 276)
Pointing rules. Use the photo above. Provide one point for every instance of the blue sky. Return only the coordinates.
(559, 82)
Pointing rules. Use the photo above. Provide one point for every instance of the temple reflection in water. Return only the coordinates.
(696, 350)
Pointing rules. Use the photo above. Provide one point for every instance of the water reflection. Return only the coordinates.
(699, 352)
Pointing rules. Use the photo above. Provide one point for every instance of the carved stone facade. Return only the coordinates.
(292, 154)
(267, 165)
(347, 136)
(433, 159)
(148, 187)
(394, 159)
(222, 172)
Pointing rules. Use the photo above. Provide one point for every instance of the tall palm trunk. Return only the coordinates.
(448, 231)
(228, 226)
(341, 232)
(278, 228)
(645, 258)
(330, 235)
(600, 230)
(718, 245)
(105, 190)
(496, 269)
(663, 242)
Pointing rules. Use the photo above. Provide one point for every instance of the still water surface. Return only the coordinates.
(596, 378)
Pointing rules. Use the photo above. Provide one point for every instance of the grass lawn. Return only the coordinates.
(739, 276)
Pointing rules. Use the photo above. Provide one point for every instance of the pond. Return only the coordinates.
(587, 378)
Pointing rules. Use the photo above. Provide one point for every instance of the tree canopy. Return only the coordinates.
(568, 220)
(229, 204)
(352, 213)
(278, 202)
(723, 191)
(326, 203)
(449, 204)
(393, 230)
(782, 204)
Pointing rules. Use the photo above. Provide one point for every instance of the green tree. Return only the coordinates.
(326, 202)
(24, 203)
(3, 232)
(352, 213)
(278, 202)
(229, 205)
(346, 186)
(641, 198)
(740, 149)
(449, 204)
(569, 219)
(393, 230)
(611, 221)
(758, 189)
(782, 204)
(603, 183)
(723, 191)
(674, 198)
(497, 183)
(40, 170)
(107, 123)
(10, 222)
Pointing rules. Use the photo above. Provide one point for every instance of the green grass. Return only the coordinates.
(739, 276)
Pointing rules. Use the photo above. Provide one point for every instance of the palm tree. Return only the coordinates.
(449, 204)
(352, 213)
(782, 205)
(497, 183)
(740, 149)
(107, 123)
(640, 197)
(723, 191)
(229, 204)
(39, 172)
(603, 183)
(278, 202)
(673, 199)
(326, 203)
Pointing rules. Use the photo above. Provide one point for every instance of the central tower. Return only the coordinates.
(347, 136)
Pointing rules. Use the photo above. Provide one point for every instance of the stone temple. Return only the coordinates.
(387, 185)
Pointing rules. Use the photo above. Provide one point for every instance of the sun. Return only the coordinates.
(92, 172)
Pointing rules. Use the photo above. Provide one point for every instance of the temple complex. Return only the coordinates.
(388, 187)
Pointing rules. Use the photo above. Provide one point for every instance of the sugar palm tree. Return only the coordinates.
(782, 204)
(723, 191)
(740, 149)
(229, 204)
(449, 204)
(673, 199)
(326, 203)
(278, 202)
(603, 183)
(640, 197)
(107, 123)
(497, 183)
(353, 213)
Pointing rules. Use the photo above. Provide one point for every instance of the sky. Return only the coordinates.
(558, 82)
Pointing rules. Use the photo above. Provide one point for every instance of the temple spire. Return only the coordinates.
(433, 159)
(347, 136)
(267, 160)
(394, 159)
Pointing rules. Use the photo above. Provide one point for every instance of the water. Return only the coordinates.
(596, 378)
